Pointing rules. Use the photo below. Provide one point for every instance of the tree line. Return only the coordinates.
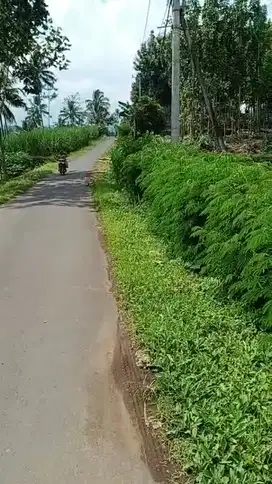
(74, 112)
(230, 43)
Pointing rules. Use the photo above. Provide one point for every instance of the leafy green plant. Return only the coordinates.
(213, 385)
(125, 146)
(17, 163)
(214, 210)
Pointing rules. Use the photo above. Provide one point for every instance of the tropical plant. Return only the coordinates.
(125, 111)
(49, 94)
(30, 46)
(230, 45)
(72, 113)
(10, 97)
(149, 116)
(97, 108)
(36, 110)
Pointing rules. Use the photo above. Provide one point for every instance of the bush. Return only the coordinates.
(215, 210)
(50, 141)
(213, 378)
(149, 116)
(125, 146)
(18, 163)
(124, 129)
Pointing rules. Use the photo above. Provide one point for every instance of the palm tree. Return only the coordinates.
(49, 93)
(72, 113)
(10, 97)
(125, 111)
(97, 108)
(35, 112)
(37, 75)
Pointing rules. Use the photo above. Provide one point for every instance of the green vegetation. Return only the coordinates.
(213, 379)
(47, 142)
(215, 211)
(232, 50)
(25, 168)
(12, 188)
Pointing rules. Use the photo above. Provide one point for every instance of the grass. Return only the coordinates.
(49, 141)
(213, 385)
(14, 187)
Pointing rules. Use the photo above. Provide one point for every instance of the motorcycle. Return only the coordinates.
(62, 166)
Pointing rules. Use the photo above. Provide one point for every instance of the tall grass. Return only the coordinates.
(48, 141)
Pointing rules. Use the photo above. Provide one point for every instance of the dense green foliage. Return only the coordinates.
(19, 184)
(214, 210)
(28, 149)
(213, 384)
(47, 142)
(233, 43)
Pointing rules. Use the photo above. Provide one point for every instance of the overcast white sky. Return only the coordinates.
(105, 36)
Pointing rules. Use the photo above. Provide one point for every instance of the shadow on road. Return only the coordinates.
(70, 190)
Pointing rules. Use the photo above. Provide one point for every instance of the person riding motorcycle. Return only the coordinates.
(62, 157)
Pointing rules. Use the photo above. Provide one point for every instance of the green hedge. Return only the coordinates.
(49, 141)
(214, 210)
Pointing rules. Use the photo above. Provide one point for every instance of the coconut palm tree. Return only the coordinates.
(35, 112)
(72, 113)
(10, 97)
(97, 108)
(37, 76)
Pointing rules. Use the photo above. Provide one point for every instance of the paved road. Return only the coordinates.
(61, 419)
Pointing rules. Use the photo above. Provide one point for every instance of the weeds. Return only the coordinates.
(213, 210)
(214, 384)
(16, 186)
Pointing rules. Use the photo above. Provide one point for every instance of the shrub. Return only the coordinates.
(18, 163)
(149, 116)
(213, 378)
(124, 129)
(125, 146)
(215, 210)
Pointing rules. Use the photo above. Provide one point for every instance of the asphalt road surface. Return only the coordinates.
(61, 418)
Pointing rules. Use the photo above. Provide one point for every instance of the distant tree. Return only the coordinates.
(125, 111)
(49, 94)
(36, 110)
(98, 108)
(72, 113)
(149, 116)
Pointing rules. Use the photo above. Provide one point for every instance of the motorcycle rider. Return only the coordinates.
(63, 157)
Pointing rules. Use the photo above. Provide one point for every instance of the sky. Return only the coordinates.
(105, 36)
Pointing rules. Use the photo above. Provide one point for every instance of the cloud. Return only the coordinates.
(105, 37)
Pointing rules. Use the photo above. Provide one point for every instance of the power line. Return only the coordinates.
(168, 8)
(165, 12)
(147, 18)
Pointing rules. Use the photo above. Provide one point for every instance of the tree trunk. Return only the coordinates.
(195, 61)
(3, 172)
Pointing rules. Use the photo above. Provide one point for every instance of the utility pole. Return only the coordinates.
(175, 103)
